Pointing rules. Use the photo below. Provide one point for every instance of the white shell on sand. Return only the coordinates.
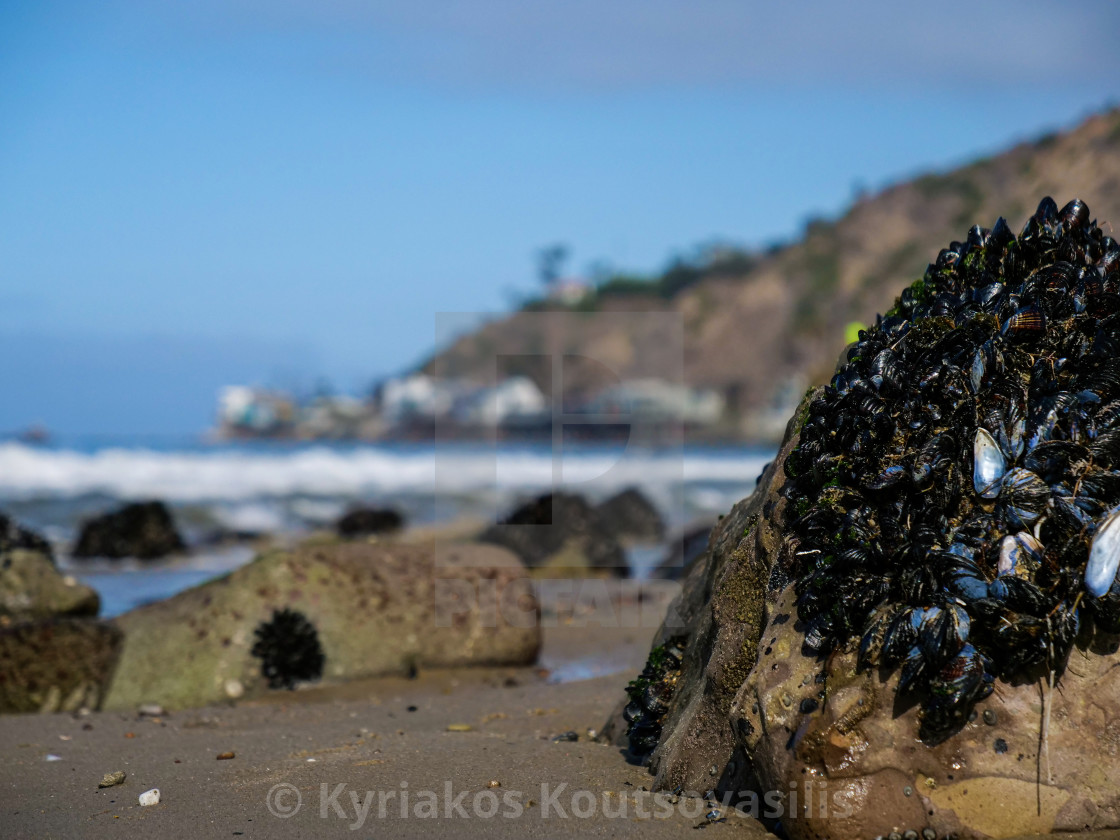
(150, 797)
(1104, 557)
(234, 689)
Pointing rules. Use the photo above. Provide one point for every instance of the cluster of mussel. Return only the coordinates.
(953, 497)
(650, 695)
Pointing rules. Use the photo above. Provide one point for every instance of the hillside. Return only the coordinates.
(782, 318)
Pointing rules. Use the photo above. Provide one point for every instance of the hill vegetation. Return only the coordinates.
(755, 322)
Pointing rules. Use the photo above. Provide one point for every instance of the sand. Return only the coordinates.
(446, 736)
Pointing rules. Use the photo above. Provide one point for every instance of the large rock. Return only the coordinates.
(797, 717)
(374, 609)
(753, 713)
(56, 665)
(144, 530)
(720, 611)
(920, 625)
(630, 515)
(31, 587)
(559, 532)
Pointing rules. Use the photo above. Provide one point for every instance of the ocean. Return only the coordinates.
(289, 489)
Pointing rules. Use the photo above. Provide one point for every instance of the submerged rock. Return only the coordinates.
(560, 531)
(364, 522)
(62, 664)
(367, 610)
(938, 523)
(144, 530)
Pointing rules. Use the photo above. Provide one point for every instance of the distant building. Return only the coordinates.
(251, 411)
(337, 418)
(417, 397)
(656, 400)
(516, 401)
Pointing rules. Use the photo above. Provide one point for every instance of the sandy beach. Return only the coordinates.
(466, 728)
(453, 733)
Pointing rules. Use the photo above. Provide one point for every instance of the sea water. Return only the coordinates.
(288, 489)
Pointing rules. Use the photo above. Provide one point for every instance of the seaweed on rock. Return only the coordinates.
(954, 492)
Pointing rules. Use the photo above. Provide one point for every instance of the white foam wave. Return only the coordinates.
(239, 475)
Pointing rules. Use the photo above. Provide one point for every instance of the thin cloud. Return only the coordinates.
(581, 45)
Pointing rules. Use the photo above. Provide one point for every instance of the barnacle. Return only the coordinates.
(289, 650)
(955, 488)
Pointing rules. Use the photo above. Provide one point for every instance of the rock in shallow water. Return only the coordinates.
(144, 530)
(630, 515)
(560, 531)
(880, 538)
(364, 522)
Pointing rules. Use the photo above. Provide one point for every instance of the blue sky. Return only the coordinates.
(199, 193)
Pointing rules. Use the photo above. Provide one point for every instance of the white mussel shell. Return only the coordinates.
(988, 465)
(150, 797)
(1019, 555)
(1104, 557)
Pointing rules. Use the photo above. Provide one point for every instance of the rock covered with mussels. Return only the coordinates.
(933, 552)
(954, 501)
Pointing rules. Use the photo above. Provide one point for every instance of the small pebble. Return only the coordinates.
(151, 710)
(929, 834)
(412, 708)
(53, 757)
(910, 835)
(989, 717)
(112, 779)
(1000, 745)
(894, 835)
(908, 791)
(459, 727)
(713, 770)
(592, 734)
(494, 783)
(808, 706)
(149, 797)
(226, 756)
(566, 736)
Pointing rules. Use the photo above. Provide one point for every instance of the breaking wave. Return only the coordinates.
(232, 474)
